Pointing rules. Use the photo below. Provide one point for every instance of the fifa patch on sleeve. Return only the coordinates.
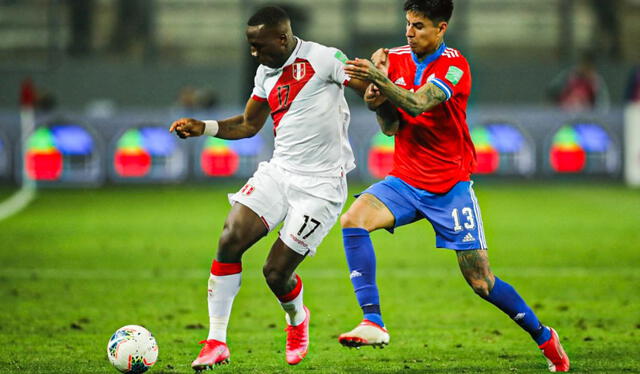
(454, 74)
(341, 57)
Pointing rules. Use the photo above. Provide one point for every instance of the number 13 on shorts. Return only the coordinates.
(467, 214)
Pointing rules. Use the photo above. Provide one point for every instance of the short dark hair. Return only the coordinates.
(268, 16)
(436, 10)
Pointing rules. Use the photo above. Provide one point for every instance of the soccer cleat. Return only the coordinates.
(213, 353)
(297, 340)
(366, 333)
(554, 353)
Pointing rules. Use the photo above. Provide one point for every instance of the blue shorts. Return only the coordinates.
(455, 215)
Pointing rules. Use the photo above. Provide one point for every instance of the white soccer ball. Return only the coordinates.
(132, 349)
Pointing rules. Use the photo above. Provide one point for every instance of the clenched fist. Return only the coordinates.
(187, 127)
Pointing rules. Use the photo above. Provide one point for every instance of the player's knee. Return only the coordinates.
(350, 220)
(480, 287)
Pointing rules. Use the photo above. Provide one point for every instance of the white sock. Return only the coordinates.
(222, 291)
(295, 310)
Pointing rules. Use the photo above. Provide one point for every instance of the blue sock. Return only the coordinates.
(505, 297)
(362, 268)
(372, 313)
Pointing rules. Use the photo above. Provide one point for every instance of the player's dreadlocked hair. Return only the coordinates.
(436, 10)
(268, 16)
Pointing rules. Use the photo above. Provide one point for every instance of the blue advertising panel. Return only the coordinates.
(583, 147)
(64, 153)
(147, 153)
(5, 158)
(218, 158)
(503, 149)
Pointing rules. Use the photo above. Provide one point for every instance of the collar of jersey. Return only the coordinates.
(421, 65)
(290, 60)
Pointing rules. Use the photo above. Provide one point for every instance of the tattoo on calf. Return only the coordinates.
(474, 265)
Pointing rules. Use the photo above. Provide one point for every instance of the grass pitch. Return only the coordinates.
(78, 264)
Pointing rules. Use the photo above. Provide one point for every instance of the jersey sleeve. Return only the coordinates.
(337, 61)
(392, 70)
(259, 92)
(452, 76)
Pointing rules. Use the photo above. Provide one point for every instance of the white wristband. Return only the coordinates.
(211, 127)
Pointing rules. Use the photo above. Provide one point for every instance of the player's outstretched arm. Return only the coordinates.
(414, 103)
(387, 116)
(241, 126)
(359, 86)
(386, 113)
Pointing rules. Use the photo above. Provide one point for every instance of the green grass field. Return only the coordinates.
(78, 264)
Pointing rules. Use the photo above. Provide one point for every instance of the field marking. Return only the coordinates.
(18, 201)
(190, 274)
(27, 192)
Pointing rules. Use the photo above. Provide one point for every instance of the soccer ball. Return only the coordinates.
(132, 349)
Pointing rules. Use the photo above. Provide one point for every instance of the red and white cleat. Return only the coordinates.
(554, 353)
(366, 333)
(213, 353)
(298, 340)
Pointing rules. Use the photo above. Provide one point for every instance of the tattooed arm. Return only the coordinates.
(414, 103)
(386, 113)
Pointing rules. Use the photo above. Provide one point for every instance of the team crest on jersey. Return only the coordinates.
(298, 70)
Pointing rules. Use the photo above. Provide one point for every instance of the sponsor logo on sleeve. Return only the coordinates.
(454, 74)
(341, 57)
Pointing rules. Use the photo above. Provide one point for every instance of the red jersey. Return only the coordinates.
(433, 151)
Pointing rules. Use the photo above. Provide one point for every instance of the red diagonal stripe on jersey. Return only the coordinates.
(293, 79)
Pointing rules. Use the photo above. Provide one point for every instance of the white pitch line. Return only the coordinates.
(18, 201)
(27, 192)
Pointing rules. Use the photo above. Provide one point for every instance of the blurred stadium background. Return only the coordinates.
(107, 72)
(123, 227)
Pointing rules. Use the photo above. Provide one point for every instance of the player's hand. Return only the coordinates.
(363, 69)
(187, 127)
(380, 59)
(373, 97)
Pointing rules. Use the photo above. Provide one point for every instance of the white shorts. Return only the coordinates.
(308, 205)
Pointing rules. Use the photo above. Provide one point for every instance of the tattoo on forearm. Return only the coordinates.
(435, 95)
(414, 103)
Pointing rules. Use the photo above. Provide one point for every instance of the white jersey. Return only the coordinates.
(309, 111)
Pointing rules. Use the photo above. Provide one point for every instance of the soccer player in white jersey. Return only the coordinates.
(301, 84)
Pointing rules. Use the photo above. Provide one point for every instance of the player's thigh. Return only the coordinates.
(264, 195)
(369, 213)
(456, 218)
(387, 204)
(313, 210)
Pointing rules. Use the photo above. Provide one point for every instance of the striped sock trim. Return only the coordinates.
(225, 268)
(294, 293)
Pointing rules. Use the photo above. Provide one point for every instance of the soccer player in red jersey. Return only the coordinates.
(427, 86)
